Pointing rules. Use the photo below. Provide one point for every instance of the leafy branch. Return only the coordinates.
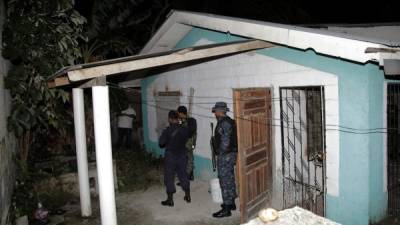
(39, 37)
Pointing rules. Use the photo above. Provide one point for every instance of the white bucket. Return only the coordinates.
(216, 190)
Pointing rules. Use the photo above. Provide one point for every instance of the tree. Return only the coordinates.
(118, 28)
(39, 37)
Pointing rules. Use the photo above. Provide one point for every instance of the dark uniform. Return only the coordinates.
(226, 142)
(174, 138)
(225, 147)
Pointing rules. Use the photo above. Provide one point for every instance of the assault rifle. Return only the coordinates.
(212, 145)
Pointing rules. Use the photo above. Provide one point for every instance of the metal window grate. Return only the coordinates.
(393, 149)
(303, 147)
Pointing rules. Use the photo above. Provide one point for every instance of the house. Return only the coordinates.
(316, 109)
(319, 105)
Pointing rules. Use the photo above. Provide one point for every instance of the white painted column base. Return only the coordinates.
(81, 151)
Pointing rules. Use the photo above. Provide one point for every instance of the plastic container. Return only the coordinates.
(216, 190)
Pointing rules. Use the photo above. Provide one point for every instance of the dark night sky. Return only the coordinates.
(296, 11)
(291, 11)
(307, 13)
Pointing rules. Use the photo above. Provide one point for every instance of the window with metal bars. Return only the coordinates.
(303, 147)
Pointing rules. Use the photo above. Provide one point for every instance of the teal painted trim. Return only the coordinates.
(377, 194)
(196, 34)
(149, 146)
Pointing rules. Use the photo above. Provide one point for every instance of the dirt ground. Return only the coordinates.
(144, 208)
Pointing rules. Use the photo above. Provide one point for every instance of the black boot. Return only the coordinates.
(187, 197)
(232, 207)
(169, 201)
(224, 212)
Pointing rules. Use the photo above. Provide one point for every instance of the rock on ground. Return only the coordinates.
(296, 216)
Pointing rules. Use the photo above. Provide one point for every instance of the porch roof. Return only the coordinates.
(345, 45)
(78, 73)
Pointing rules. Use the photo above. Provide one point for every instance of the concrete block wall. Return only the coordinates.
(7, 142)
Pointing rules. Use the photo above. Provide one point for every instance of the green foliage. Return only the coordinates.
(118, 100)
(111, 14)
(56, 198)
(39, 37)
(37, 30)
(24, 199)
(138, 170)
(27, 193)
(108, 29)
(24, 196)
(118, 28)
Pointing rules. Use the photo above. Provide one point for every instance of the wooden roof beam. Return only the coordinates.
(177, 57)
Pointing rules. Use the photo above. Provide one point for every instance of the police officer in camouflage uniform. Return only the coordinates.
(174, 139)
(226, 150)
(191, 143)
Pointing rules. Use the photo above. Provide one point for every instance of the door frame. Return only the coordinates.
(240, 171)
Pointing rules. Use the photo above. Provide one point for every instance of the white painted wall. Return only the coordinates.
(213, 81)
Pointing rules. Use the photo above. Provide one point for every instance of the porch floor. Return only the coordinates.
(144, 208)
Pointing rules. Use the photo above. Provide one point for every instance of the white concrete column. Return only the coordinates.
(81, 151)
(102, 132)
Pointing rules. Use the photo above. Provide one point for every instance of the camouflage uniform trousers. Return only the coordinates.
(190, 158)
(226, 174)
(190, 161)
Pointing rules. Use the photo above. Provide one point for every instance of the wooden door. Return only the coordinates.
(253, 118)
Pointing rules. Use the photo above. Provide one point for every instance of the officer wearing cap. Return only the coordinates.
(173, 139)
(226, 150)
